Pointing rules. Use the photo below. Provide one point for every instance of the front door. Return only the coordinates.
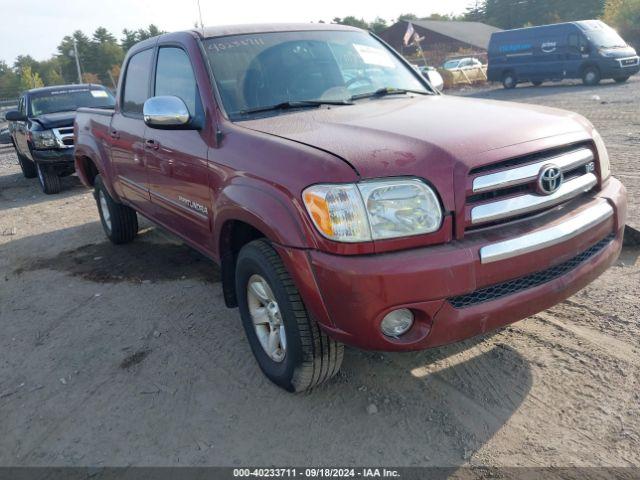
(128, 131)
(577, 51)
(20, 130)
(176, 160)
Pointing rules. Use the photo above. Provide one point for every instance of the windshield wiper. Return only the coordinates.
(295, 104)
(385, 91)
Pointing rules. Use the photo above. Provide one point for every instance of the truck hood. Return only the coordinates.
(396, 136)
(55, 120)
(625, 52)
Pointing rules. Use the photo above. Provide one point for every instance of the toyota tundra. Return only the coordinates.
(345, 199)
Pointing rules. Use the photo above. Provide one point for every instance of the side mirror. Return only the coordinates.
(14, 116)
(165, 112)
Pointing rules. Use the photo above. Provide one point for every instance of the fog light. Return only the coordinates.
(397, 323)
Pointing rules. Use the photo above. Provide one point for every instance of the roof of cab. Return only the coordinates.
(57, 88)
(224, 30)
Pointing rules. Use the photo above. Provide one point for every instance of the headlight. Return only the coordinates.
(43, 139)
(606, 53)
(373, 210)
(603, 156)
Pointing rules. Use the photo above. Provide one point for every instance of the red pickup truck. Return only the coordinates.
(346, 200)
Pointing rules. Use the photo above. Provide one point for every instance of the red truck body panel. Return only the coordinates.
(254, 172)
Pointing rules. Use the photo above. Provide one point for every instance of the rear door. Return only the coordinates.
(128, 129)
(177, 159)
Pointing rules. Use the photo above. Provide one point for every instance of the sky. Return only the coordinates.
(36, 27)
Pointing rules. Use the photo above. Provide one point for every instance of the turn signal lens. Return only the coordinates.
(337, 212)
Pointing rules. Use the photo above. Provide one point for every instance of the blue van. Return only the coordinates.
(589, 49)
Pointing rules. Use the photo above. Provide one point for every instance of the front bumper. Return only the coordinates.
(63, 157)
(350, 295)
(621, 67)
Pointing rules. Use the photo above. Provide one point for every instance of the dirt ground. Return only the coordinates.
(116, 356)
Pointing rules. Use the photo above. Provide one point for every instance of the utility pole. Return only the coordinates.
(75, 54)
(200, 15)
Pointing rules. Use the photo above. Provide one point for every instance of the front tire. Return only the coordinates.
(287, 343)
(537, 83)
(28, 167)
(49, 179)
(509, 81)
(591, 76)
(119, 222)
(621, 79)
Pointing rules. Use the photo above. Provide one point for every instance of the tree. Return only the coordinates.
(409, 17)
(624, 15)
(378, 26)
(352, 21)
(29, 79)
(105, 53)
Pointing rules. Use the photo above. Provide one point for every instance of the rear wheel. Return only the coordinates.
(591, 76)
(621, 79)
(509, 80)
(120, 223)
(49, 179)
(537, 83)
(287, 343)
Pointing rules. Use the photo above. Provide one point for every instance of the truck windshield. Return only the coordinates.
(606, 37)
(67, 100)
(256, 71)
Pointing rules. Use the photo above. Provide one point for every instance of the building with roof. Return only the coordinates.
(442, 39)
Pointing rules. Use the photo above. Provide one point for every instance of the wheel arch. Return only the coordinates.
(248, 212)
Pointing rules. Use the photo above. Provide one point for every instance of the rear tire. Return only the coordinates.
(120, 222)
(621, 79)
(591, 76)
(307, 357)
(509, 81)
(49, 179)
(28, 167)
(537, 83)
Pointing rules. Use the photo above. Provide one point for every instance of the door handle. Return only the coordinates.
(151, 144)
(114, 134)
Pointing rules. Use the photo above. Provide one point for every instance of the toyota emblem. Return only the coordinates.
(550, 179)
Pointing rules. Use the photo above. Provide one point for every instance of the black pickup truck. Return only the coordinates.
(42, 129)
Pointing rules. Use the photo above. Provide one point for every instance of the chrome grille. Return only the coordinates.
(64, 136)
(509, 191)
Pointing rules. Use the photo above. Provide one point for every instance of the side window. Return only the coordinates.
(175, 77)
(21, 106)
(136, 82)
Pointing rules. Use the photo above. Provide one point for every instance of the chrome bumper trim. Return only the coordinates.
(512, 207)
(547, 237)
(528, 173)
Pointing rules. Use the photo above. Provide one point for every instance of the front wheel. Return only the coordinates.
(537, 83)
(119, 222)
(509, 81)
(621, 79)
(27, 166)
(49, 179)
(591, 76)
(287, 343)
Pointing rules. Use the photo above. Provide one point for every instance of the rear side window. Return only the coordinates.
(175, 77)
(136, 82)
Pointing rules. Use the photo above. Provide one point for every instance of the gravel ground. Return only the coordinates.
(127, 356)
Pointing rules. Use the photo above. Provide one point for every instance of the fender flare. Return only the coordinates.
(264, 208)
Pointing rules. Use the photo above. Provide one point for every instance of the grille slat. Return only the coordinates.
(509, 190)
(511, 287)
